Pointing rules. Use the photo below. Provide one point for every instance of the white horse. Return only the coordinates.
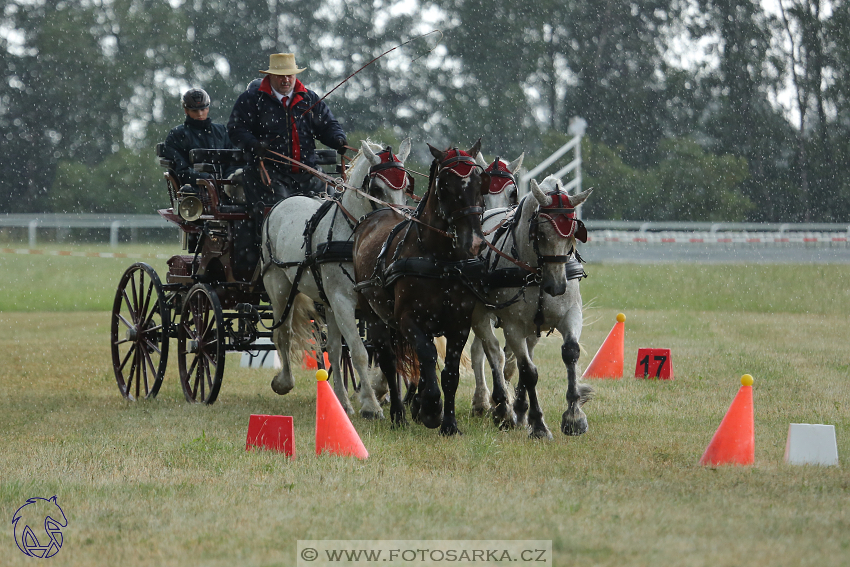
(543, 232)
(501, 198)
(284, 247)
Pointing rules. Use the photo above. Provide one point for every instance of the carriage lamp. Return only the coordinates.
(189, 204)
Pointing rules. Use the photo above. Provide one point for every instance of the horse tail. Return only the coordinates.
(465, 361)
(406, 361)
(305, 325)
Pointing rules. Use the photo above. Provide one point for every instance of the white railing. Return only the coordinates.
(64, 222)
(576, 130)
(599, 231)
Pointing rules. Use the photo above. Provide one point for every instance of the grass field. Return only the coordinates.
(164, 483)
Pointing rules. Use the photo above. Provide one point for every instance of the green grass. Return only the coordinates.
(167, 483)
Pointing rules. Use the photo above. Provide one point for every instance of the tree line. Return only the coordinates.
(90, 86)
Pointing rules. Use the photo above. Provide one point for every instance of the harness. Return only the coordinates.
(386, 274)
(332, 251)
(522, 276)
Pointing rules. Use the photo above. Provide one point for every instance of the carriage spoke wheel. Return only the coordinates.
(200, 345)
(139, 333)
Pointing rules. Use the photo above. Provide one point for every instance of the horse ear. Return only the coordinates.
(476, 147)
(485, 183)
(479, 159)
(404, 150)
(542, 198)
(438, 154)
(514, 166)
(579, 198)
(367, 151)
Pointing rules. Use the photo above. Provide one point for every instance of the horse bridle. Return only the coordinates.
(389, 162)
(449, 165)
(494, 171)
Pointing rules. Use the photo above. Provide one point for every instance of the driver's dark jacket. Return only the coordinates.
(191, 135)
(258, 116)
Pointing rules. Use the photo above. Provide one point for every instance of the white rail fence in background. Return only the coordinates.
(600, 231)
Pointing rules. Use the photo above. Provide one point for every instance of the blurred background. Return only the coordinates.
(696, 110)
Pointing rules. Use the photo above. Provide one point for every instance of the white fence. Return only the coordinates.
(599, 231)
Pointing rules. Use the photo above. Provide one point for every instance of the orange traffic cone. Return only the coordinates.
(334, 432)
(608, 362)
(734, 442)
(310, 360)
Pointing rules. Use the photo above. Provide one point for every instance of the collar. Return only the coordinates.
(198, 124)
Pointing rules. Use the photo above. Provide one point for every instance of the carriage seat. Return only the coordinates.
(160, 153)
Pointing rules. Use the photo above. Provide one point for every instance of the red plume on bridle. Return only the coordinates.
(500, 176)
(391, 171)
(562, 215)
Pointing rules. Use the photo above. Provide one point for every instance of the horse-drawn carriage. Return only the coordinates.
(212, 300)
(414, 275)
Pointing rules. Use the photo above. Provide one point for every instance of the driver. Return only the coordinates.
(280, 114)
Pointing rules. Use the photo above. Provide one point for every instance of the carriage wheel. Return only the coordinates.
(200, 345)
(139, 333)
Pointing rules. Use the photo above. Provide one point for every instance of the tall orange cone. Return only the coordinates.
(608, 362)
(734, 442)
(334, 432)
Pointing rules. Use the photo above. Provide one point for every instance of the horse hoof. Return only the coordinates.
(478, 411)
(540, 432)
(397, 420)
(449, 430)
(431, 421)
(371, 414)
(575, 426)
(279, 387)
(504, 418)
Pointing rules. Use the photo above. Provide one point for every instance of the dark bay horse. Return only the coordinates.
(414, 278)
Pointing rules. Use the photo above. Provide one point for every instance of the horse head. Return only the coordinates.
(456, 190)
(382, 172)
(502, 193)
(553, 230)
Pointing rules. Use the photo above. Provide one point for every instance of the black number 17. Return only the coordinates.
(645, 363)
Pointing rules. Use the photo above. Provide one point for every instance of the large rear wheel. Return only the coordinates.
(201, 345)
(139, 333)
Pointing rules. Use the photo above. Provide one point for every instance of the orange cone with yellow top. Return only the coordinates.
(734, 442)
(608, 362)
(334, 432)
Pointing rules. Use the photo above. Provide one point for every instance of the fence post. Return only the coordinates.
(113, 233)
(32, 226)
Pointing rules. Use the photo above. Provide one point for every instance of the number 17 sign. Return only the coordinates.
(654, 363)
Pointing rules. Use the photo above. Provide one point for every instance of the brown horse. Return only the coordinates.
(414, 278)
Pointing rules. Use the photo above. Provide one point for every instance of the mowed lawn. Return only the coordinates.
(162, 482)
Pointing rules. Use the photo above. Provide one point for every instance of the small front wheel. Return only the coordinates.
(139, 333)
(201, 345)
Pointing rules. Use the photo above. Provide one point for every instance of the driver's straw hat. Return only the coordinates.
(282, 64)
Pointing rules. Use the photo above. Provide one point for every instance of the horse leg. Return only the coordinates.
(278, 286)
(430, 407)
(481, 397)
(503, 415)
(386, 359)
(573, 421)
(510, 364)
(344, 314)
(335, 351)
(450, 378)
(528, 384)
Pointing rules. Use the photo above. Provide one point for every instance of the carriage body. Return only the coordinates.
(211, 300)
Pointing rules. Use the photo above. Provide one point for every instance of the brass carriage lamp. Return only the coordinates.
(189, 204)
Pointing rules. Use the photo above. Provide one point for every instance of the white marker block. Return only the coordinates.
(260, 358)
(809, 444)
